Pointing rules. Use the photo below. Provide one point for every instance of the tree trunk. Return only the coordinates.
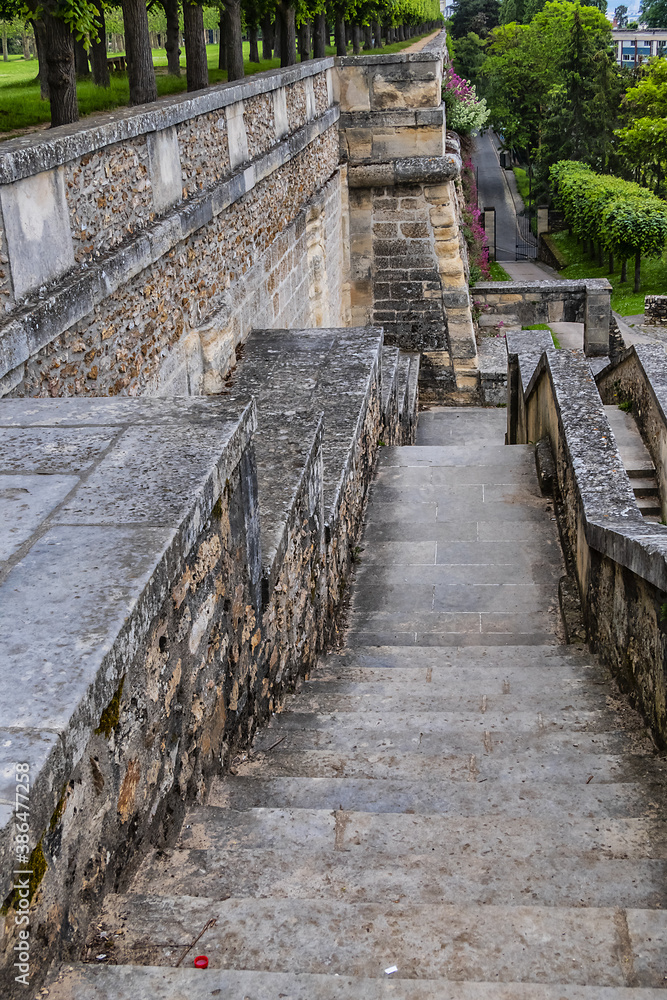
(401, 33)
(638, 270)
(59, 46)
(341, 44)
(173, 30)
(600, 255)
(287, 34)
(304, 41)
(81, 60)
(320, 39)
(377, 31)
(222, 45)
(5, 53)
(235, 69)
(98, 50)
(368, 38)
(267, 38)
(624, 270)
(40, 45)
(253, 35)
(356, 39)
(26, 47)
(611, 263)
(196, 65)
(140, 72)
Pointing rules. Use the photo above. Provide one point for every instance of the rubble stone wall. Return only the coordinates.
(139, 251)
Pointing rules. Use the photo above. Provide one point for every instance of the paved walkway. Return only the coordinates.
(454, 807)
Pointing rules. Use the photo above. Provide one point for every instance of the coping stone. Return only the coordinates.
(28, 155)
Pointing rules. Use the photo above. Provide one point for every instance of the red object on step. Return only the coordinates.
(201, 962)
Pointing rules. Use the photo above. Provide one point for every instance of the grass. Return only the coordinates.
(623, 300)
(22, 108)
(498, 273)
(522, 183)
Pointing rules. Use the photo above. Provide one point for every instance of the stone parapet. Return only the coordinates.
(532, 302)
(618, 558)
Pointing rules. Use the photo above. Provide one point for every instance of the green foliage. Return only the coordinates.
(653, 13)
(622, 216)
(553, 83)
(469, 56)
(478, 16)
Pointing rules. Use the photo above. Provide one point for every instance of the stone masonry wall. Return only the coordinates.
(140, 249)
(176, 325)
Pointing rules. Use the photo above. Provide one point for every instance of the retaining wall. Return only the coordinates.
(142, 247)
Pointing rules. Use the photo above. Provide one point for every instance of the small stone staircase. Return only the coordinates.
(455, 806)
(637, 461)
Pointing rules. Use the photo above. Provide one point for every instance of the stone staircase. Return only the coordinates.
(455, 806)
(637, 461)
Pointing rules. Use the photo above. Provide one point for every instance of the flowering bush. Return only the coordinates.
(466, 112)
(475, 237)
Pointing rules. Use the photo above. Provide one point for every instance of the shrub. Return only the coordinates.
(466, 112)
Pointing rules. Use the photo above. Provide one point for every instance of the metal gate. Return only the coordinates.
(526, 243)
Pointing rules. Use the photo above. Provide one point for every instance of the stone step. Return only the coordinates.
(417, 737)
(531, 944)
(371, 719)
(536, 764)
(473, 451)
(645, 487)
(421, 876)
(441, 628)
(112, 982)
(649, 505)
(417, 796)
(379, 837)
(384, 660)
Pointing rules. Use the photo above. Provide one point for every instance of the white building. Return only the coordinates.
(634, 46)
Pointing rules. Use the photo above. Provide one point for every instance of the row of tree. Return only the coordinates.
(619, 216)
(67, 31)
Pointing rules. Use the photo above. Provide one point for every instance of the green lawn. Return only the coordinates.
(498, 273)
(623, 300)
(21, 106)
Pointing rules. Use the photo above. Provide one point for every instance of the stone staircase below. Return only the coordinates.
(454, 806)
(637, 461)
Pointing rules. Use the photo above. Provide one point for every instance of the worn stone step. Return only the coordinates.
(375, 577)
(421, 876)
(461, 425)
(378, 836)
(382, 661)
(497, 723)
(113, 982)
(475, 452)
(595, 947)
(645, 487)
(573, 703)
(410, 737)
(534, 764)
(417, 796)
(440, 628)
(521, 553)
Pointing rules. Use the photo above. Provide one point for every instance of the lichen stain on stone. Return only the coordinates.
(111, 714)
(60, 809)
(38, 867)
(172, 686)
(128, 789)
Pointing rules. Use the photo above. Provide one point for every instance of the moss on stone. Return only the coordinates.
(111, 714)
